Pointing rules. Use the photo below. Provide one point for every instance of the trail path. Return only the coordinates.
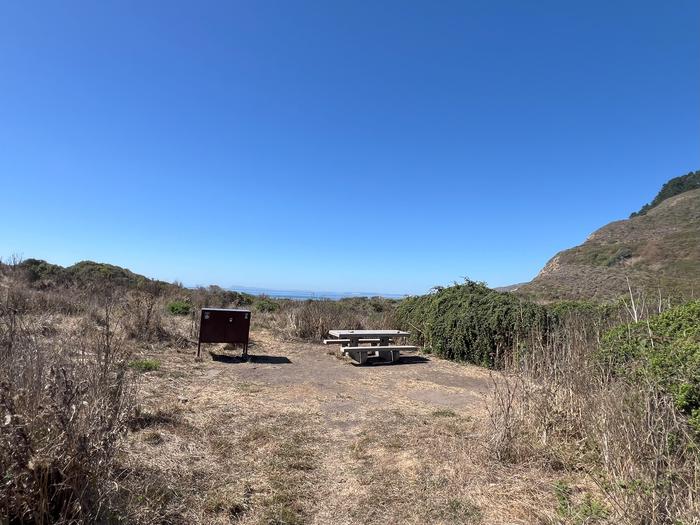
(296, 435)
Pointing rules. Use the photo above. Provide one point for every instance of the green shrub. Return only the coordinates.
(676, 186)
(587, 511)
(217, 297)
(589, 310)
(471, 322)
(145, 365)
(179, 308)
(601, 255)
(664, 349)
(265, 304)
(36, 270)
(89, 273)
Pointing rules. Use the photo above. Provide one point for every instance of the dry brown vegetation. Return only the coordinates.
(65, 398)
(311, 320)
(299, 436)
(559, 404)
(107, 416)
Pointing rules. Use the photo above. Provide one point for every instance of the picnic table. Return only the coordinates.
(380, 344)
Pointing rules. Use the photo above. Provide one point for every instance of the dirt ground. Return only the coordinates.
(297, 435)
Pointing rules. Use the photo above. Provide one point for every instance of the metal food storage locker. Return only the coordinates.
(224, 325)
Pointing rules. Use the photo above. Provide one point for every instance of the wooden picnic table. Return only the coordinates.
(379, 339)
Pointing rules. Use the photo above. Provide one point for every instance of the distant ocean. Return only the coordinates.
(302, 295)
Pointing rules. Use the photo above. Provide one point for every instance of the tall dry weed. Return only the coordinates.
(562, 405)
(64, 404)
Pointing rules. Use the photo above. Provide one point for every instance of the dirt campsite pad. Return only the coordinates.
(296, 435)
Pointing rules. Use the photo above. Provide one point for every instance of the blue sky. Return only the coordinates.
(352, 146)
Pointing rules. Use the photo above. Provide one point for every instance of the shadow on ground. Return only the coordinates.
(404, 360)
(262, 359)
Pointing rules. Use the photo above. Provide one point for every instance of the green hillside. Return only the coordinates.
(85, 274)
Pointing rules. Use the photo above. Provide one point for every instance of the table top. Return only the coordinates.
(344, 334)
(225, 310)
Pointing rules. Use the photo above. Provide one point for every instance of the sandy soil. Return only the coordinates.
(296, 435)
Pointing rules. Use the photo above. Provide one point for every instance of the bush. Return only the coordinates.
(37, 270)
(265, 304)
(596, 313)
(217, 297)
(179, 307)
(470, 322)
(664, 350)
(311, 319)
(145, 365)
(142, 319)
(675, 186)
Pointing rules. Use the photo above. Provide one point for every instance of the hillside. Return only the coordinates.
(83, 274)
(657, 248)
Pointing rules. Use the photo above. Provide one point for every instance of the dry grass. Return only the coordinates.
(559, 405)
(64, 403)
(428, 468)
(321, 441)
(210, 468)
(312, 441)
(311, 320)
(298, 436)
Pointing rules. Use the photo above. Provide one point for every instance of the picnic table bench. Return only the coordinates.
(380, 344)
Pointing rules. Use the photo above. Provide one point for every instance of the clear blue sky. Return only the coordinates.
(338, 145)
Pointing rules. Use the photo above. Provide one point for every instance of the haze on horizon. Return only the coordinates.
(338, 146)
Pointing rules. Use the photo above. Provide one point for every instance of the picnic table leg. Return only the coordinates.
(383, 341)
(339, 352)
